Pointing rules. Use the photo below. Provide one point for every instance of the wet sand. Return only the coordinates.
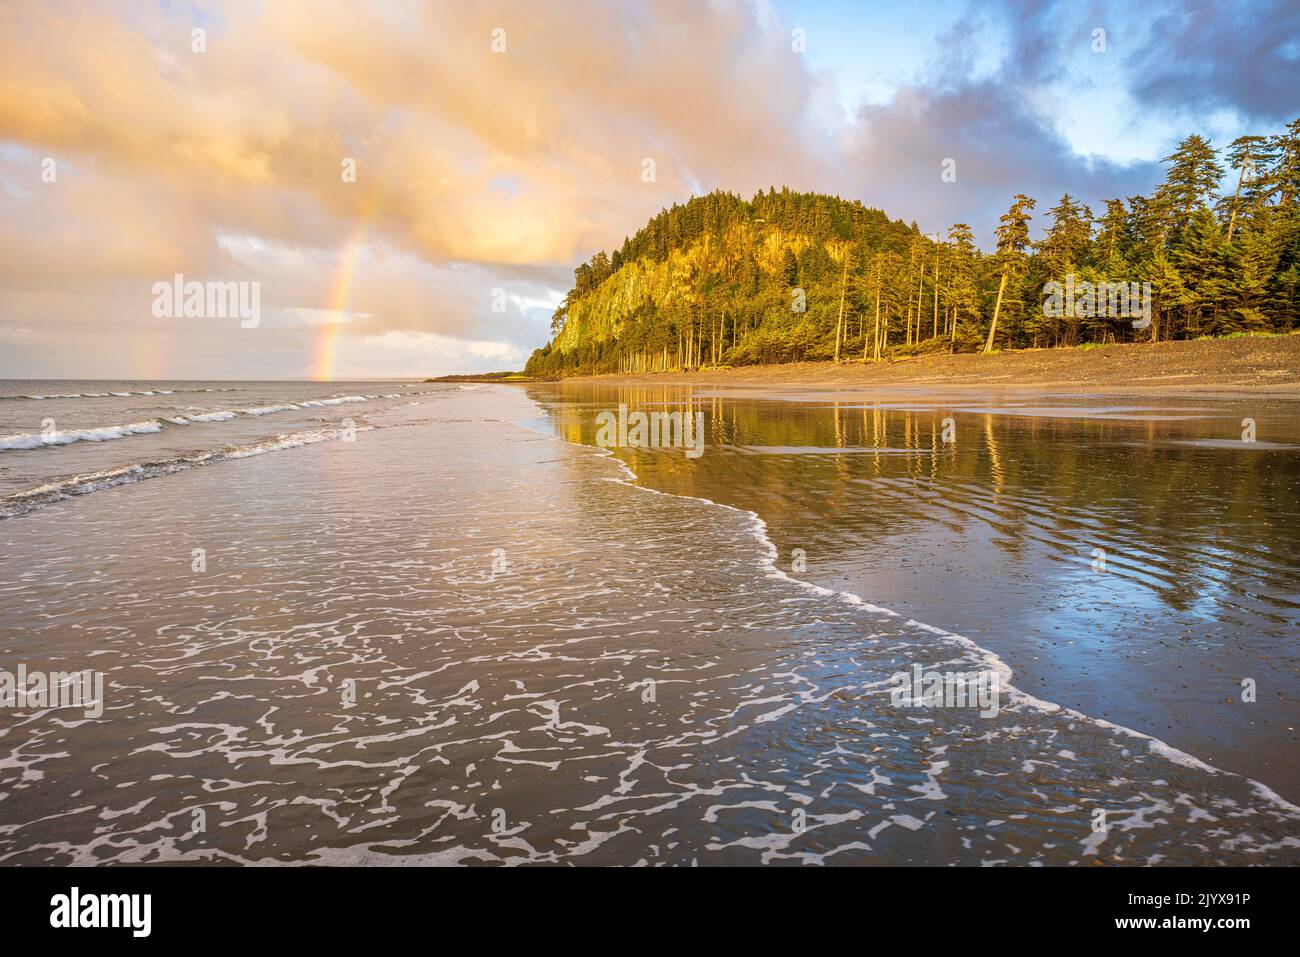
(992, 537)
(468, 637)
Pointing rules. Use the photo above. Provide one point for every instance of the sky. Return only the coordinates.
(408, 185)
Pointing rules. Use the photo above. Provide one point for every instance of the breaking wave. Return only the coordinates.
(28, 500)
(36, 440)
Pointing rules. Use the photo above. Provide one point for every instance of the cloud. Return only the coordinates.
(1204, 56)
(998, 148)
(1023, 100)
(227, 163)
(479, 171)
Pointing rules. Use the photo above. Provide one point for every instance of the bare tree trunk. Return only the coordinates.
(936, 295)
(997, 308)
(920, 303)
(876, 337)
(1241, 175)
(839, 322)
(1284, 197)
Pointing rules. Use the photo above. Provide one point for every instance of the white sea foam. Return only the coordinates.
(334, 401)
(35, 440)
(105, 395)
(800, 736)
(28, 500)
(990, 659)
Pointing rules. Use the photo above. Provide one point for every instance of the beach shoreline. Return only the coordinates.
(1001, 580)
(1251, 365)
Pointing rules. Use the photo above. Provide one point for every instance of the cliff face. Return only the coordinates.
(721, 281)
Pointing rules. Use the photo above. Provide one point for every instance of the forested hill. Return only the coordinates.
(717, 280)
(790, 276)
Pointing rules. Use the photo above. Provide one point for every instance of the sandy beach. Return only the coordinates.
(1250, 365)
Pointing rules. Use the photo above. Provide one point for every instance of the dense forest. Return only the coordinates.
(790, 276)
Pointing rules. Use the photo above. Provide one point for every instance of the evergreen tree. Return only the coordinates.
(1246, 154)
(1191, 181)
(1013, 239)
(1063, 250)
(1203, 260)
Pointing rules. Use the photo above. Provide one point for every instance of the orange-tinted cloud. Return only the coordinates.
(523, 160)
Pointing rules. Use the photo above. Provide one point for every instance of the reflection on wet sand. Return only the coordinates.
(996, 535)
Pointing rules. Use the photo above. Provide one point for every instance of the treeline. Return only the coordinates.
(791, 276)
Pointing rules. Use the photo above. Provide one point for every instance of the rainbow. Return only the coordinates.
(340, 296)
(322, 367)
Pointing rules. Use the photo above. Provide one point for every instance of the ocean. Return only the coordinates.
(428, 623)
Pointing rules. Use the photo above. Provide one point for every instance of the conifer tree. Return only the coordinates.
(1191, 181)
(1245, 154)
(963, 290)
(1203, 260)
(1013, 238)
(1063, 250)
